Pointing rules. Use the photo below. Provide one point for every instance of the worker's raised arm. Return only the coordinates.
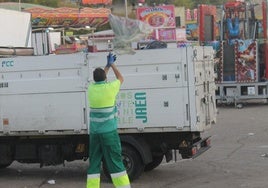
(106, 69)
(117, 73)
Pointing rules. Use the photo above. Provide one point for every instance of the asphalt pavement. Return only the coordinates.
(238, 158)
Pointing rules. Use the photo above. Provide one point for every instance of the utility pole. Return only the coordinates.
(19, 5)
(126, 8)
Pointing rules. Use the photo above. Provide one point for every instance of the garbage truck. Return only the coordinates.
(165, 104)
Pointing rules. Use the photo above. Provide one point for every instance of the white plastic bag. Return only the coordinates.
(126, 31)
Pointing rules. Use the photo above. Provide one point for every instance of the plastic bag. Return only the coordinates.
(126, 31)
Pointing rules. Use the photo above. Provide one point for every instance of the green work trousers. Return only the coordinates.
(105, 146)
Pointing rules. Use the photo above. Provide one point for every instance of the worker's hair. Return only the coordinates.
(99, 75)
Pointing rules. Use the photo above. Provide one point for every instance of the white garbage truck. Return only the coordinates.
(165, 104)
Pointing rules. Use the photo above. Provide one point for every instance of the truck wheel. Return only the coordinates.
(155, 163)
(132, 162)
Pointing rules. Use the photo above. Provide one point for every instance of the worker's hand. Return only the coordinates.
(110, 59)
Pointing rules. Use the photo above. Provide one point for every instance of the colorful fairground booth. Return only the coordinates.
(54, 29)
(242, 52)
(166, 21)
(238, 32)
(242, 41)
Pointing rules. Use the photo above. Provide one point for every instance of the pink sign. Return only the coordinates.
(159, 17)
(167, 34)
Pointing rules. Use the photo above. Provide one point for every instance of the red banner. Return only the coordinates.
(207, 10)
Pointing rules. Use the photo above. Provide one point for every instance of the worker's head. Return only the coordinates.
(99, 75)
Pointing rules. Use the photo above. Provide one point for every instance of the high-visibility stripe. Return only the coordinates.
(93, 176)
(121, 180)
(103, 120)
(126, 186)
(104, 110)
(93, 181)
(116, 175)
(99, 120)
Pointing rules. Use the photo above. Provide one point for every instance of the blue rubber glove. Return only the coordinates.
(110, 59)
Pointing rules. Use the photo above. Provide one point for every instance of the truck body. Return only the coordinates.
(165, 103)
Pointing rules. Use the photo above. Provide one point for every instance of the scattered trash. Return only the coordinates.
(264, 155)
(239, 106)
(251, 134)
(51, 182)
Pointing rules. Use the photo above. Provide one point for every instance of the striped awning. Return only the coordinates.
(95, 2)
(68, 17)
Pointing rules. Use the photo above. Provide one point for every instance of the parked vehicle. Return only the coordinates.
(166, 102)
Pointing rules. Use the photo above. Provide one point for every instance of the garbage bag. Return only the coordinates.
(156, 44)
(126, 31)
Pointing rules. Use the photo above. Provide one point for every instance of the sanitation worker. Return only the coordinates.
(104, 139)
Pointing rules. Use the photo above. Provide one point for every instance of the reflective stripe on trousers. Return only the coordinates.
(120, 180)
(93, 181)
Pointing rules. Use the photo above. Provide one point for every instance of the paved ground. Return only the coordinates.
(238, 159)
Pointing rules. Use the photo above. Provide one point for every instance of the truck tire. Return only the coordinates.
(132, 161)
(6, 154)
(155, 163)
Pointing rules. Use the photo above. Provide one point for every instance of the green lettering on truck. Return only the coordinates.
(141, 106)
